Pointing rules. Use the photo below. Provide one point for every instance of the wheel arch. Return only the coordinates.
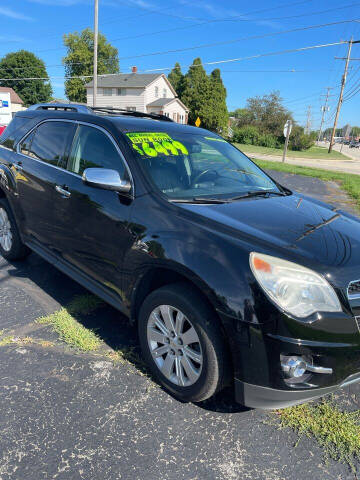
(158, 276)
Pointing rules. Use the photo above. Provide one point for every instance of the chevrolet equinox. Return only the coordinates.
(230, 277)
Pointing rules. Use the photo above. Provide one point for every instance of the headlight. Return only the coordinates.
(295, 289)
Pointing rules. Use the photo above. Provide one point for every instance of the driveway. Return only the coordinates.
(70, 415)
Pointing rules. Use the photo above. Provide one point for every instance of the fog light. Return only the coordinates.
(293, 367)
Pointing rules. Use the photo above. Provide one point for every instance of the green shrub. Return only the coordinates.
(248, 135)
(299, 140)
(268, 140)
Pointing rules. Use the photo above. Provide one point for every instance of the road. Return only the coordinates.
(71, 416)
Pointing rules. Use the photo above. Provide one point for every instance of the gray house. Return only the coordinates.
(142, 92)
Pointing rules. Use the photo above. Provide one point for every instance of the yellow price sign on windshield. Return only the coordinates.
(151, 144)
(198, 122)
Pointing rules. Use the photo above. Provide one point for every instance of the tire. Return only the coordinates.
(11, 246)
(202, 368)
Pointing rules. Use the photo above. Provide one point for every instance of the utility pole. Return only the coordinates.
(96, 33)
(324, 109)
(340, 101)
(308, 120)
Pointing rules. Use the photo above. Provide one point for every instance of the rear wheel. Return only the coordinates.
(182, 343)
(11, 246)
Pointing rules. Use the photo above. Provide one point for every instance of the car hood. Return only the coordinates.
(319, 233)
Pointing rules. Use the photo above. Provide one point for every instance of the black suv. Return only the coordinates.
(230, 277)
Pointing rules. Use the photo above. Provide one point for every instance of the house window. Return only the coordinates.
(121, 91)
(164, 93)
(131, 109)
(156, 92)
(107, 92)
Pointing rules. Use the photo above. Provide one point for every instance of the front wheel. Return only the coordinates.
(182, 343)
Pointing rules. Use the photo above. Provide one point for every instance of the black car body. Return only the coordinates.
(124, 246)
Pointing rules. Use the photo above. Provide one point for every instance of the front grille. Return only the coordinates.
(354, 288)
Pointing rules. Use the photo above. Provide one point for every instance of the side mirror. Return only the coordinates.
(106, 179)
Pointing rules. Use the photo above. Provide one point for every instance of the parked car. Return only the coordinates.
(230, 277)
(354, 144)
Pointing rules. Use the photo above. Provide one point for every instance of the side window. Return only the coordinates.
(15, 130)
(25, 145)
(93, 149)
(51, 142)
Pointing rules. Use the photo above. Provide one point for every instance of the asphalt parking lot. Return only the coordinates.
(70, 415)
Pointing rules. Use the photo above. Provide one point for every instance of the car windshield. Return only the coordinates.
(186, 166)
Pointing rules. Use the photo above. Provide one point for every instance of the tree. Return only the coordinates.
(268, 113)
(218, 113)
(24, 64)
(196, 92)
(79, 61)
(176, 78)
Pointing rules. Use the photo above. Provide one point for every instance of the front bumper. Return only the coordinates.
(256, 396)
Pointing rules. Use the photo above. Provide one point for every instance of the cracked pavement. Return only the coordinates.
(70, 415)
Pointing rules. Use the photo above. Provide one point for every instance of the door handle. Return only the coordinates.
(62, 191)
(18, 166)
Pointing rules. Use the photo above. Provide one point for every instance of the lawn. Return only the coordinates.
(348, 181)
(313, 152)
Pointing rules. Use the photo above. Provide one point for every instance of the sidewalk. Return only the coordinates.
(345, 166)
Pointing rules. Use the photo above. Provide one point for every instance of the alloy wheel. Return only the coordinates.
(6, 237)
(174, 345)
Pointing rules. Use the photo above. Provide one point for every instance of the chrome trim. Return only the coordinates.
(318, 369)
(62, 191)
(355, 295)
(78, 122)
(105, 178)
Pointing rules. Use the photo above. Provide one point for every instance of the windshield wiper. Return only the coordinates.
(258, 193)
(200, 200)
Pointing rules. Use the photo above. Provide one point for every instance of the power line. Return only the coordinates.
(259, 55)
(241, 39)
(227, 19)
(215, 62)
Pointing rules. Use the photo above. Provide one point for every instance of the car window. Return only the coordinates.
(50, 143)
(93, 149)
(16, 129)
(186, 165)
(25, 145)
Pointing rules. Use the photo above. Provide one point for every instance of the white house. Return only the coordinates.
(141, 92)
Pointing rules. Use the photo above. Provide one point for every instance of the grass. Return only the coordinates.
(348, 181)
(69, 329)
(313, 152)
(337, 432)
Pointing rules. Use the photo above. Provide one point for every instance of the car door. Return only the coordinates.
(93, 224)
(39, 159)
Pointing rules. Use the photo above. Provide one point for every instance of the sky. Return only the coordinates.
(146, 33)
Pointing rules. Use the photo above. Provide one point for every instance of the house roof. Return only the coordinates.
(14, 97)
(161, 102)
(135, 80)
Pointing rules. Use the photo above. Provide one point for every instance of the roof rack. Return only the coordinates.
(68, 107)
(131, 113)
(80, 108)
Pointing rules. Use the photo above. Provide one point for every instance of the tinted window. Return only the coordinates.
(186, 165)
(25, 145)
(51, 141)
(15, 130)
(92, 148)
